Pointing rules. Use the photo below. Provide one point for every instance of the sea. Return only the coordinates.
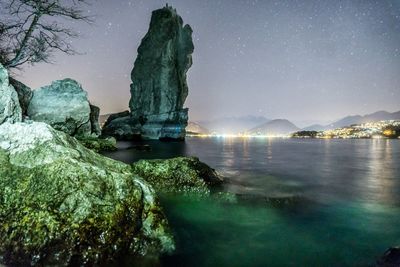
(301, 202)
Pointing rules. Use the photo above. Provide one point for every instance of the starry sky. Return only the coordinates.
(310, 61)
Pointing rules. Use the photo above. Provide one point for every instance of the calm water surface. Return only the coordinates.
(347, 213)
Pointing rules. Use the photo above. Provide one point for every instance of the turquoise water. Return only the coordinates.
(346, 210)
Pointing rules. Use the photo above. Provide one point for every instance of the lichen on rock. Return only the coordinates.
(61, 203)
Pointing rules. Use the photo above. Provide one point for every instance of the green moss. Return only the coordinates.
(62, 203)
(178, 175)
(99, 144)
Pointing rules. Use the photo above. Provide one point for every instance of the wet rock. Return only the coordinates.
(159, 87)
(391, 258)
(24, 94)
(63, 204)
(64, 105)
(10, 109)
(178, 175)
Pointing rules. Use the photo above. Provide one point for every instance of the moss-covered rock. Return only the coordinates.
(62, 204)
(99, 144)
(178, 175)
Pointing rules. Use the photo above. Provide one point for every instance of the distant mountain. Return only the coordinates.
(315, 127)
(376, 116)
(356, 119)
(195, 128)
(274, 127)
(233, 125)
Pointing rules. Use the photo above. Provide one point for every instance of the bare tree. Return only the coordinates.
(31, 30)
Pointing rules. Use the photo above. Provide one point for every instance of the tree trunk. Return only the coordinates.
(20, 52)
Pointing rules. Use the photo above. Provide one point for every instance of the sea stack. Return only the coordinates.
(159, 87)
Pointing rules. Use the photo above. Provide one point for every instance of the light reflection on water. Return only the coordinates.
(350, 213)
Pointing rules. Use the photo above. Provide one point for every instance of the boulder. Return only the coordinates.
(122, 128)
(178, 175)
(94, 120)
(64, 105)
(159, 87)
(10, 109)
(24, 94)
(114, 116)
(63, 204)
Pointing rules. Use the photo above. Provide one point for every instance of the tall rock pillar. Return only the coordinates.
(159, 87)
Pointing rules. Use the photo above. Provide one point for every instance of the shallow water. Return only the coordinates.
(346, 214)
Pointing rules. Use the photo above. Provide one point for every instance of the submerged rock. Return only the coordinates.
(10, 109)
(62, 204)
(64, 105)
(391, 258)
(178, 175)
(159, 87)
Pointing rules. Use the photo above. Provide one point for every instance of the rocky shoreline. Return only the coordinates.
(62, 203)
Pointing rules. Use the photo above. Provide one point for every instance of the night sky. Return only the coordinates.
(307, 61)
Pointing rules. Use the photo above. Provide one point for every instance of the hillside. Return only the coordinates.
(274, 127)
(356, 119)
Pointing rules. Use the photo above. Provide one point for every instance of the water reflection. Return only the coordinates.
(348, 213)
(380, 172)
(325, 170)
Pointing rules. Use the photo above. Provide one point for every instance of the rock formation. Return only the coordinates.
(24, 94)
(94, 120)
(10, 109)
(65, 106)
(122, 126)
(178, 175)
(61, 203)
(159, 88)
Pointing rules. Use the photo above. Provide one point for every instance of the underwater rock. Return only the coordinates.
(24, 94)
(61, 203)
(10, 109)
(391, 258)
(64, 105)
(159, 87)
(178, 175)
(94, 120)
